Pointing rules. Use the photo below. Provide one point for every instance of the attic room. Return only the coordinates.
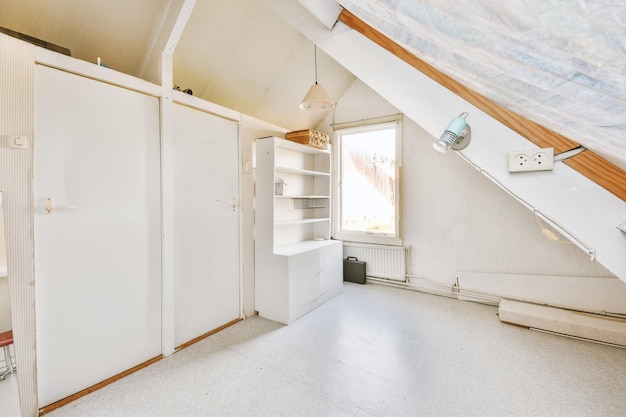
(149, 278)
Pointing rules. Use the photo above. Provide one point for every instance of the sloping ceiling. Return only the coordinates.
(241, 55)
(235, 53)
(559, 63)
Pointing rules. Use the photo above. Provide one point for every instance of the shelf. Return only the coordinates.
(310, 203)
(288, 170)
(301, 221)
(310, 197)
(301, 208)
(298, 267)
(294, 146)
(303, 246)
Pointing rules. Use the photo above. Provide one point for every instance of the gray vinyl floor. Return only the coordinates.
(374, 351)
(9, 402)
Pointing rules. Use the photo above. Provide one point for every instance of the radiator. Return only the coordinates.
(386, 262)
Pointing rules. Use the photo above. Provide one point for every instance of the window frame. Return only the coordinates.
(365, 126)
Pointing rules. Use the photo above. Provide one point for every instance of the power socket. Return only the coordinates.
(18, 142)
(531, 160)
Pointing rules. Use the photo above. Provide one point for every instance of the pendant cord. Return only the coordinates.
(315, 54)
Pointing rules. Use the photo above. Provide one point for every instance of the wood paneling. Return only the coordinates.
(588, 163)
(17, 83)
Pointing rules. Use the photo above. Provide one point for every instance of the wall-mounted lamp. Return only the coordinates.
(317, 99)
(457, 135)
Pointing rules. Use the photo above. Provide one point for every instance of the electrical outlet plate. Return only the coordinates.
(531, 160)
(18, 142)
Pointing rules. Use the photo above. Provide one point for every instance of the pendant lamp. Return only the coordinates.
(317, 99)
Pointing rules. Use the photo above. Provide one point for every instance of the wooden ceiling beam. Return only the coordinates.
(588, 163)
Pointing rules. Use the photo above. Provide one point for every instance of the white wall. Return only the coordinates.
(454, 218)
(251, 129)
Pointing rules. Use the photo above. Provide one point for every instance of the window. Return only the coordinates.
(366, 187)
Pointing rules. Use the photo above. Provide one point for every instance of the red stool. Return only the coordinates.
(6, 339)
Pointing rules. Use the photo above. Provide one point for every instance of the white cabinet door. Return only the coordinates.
(97, 266)
(206, 222)
(304, 280)
(331, 276)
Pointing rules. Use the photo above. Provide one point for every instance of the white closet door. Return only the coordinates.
(97, 266)
(206, 222)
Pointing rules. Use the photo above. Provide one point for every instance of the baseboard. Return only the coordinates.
(604, 329)
(593, 295)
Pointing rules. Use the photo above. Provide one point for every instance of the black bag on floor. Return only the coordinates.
(353, 270)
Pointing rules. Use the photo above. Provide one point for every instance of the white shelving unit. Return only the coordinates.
(298, 267)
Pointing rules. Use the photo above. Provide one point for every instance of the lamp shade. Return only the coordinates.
(317, 99)
(456, 136)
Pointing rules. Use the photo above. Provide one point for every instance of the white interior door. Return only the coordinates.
(98, 265)
(206, 222)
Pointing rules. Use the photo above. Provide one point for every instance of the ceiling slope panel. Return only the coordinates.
(559, 63)
(241, 55)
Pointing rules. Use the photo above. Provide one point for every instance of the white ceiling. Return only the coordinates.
(235, 53)
(238, 54)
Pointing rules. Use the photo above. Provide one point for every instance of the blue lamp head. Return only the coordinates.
(456, 136)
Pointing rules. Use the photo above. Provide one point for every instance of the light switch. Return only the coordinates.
(18, 142)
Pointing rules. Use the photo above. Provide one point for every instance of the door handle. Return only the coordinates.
(50, 207)
(234, 203)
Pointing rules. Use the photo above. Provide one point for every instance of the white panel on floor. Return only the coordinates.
(98, 265)
(206, 217)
